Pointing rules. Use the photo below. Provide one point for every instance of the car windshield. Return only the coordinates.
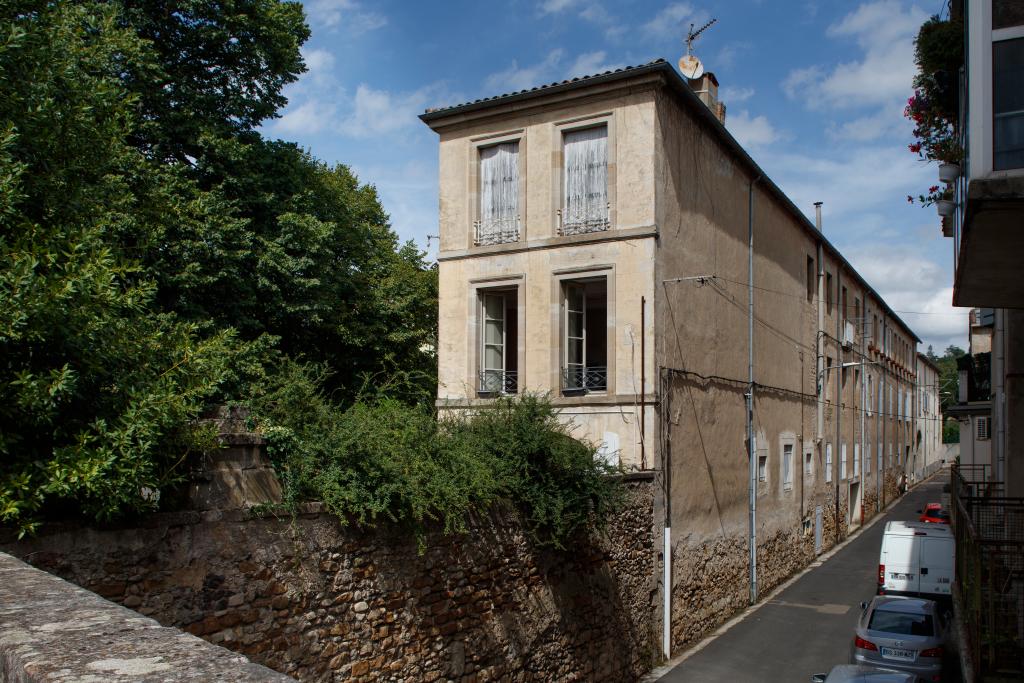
(902, 623)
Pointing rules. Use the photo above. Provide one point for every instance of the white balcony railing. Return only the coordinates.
(496, 231)
(579, 224)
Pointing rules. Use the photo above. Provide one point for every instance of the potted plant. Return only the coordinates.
(941, 197)
(948, 171)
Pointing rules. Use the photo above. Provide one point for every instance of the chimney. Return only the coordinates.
(706, 88)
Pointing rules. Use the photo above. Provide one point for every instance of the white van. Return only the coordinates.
(916, 559)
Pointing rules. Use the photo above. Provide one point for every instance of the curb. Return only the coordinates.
(655, 674)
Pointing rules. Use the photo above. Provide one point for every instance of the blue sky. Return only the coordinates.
(814, 90)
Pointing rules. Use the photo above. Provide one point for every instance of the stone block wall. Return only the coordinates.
(54, 632)
(712, 583)
(323, 602)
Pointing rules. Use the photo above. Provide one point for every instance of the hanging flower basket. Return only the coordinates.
(948, 172)
(944, 206)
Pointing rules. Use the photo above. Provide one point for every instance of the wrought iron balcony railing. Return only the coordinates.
(593, 378)
(496, 231)
(578, 224)
(498, 382)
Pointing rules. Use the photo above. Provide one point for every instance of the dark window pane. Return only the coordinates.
(1008, 103)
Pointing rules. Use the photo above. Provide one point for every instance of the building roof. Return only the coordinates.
(678, 85)
(928, 361)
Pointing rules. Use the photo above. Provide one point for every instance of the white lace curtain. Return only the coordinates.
(586, 176)
(499, 186)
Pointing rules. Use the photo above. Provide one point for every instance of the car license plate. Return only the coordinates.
(901, 575)
(897, 653)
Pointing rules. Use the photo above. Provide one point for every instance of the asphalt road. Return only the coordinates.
(806, 628)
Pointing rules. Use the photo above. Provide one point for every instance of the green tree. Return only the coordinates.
(98, 384)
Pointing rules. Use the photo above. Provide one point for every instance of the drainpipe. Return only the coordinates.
(884, 415)
(666, 462)
(864, 450)
(840, 316)
(820, 343)
(752, 451)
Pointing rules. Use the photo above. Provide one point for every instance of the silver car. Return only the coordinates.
(906, 634)
(854, 673)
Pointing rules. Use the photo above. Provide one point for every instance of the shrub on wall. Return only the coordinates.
(381, 460)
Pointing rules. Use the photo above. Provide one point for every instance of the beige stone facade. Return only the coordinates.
(833, 366)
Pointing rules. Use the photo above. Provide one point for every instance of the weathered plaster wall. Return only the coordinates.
(321, 602)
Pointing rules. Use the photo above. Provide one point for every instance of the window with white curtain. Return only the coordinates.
(499, 194)
(787, 466)
(828, 462)
(585, 185)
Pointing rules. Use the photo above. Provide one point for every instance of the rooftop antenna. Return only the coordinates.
(689, 65)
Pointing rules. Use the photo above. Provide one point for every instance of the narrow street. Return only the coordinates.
(807, 628)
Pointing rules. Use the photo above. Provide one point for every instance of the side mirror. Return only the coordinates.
(819, 678)
(863, 605)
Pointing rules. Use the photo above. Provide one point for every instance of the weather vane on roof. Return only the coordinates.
(689, 65)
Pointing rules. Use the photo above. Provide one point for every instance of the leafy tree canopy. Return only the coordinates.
(157, 254)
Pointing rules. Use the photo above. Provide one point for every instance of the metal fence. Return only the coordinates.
(989, 530)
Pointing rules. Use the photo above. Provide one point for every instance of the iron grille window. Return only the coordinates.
(584, 337)
(585, 187)
(498, 344)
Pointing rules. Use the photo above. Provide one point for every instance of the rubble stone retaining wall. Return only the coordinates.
(320, 601)
(52, 631)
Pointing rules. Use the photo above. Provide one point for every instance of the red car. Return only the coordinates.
(934, 514)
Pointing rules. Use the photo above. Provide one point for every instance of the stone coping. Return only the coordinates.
(54, 631)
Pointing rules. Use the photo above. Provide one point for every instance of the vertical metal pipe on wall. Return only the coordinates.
(666, 467)
(751, 449)
(838, 448)
(819, 377)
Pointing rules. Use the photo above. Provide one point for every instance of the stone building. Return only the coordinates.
(606, 241)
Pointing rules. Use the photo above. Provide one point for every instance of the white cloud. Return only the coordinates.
(917, 288)
(884, 30)
(311, 116)
(556, 6)
(734, 95)
(797, 82)
(851, 183)
(751, 131)
(871, 127)
(318, 61)
(349, 14)
(590, 63)
(669, 22)
(728, 55)
(375, 112)
(520, 78)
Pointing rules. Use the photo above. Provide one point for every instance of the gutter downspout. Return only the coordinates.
(666, 462)
(840, 316)
(864, 450)
(820, 341)
(751, 449)
(885, 402)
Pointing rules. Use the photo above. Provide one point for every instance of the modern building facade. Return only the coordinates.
(989, 231)
(607, 242)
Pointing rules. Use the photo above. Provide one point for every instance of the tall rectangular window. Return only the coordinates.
(787, 466)
(828, 292)
(983, 428)
(498, 343)
(808, 463)
(828, 462)
(811, 276)
(842, 461)
(585, 187)
(1008, 104)
(881, 464)
(856, 459)
(870, 395)
(499, 194)
(585, 336)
